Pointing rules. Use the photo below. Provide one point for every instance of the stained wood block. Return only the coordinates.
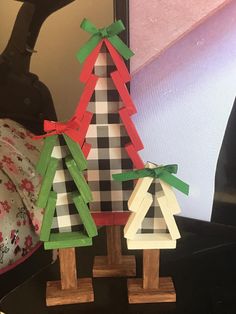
(151, 241)
(114, 264)
(151, 263)
(125, 268)
(82, 294)
(114, 254)
(68, 268)
(169, 218)
(165, 292)
(136, 218)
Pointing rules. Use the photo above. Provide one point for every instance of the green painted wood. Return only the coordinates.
(45, 155)
(76, 153)
(48, 216)
(85, 215)
(47, 183)
(79, 180)
(67, 240)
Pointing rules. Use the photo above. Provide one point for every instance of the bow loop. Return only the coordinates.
(70, 128)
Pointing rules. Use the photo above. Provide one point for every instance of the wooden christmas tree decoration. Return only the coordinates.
(152, 227)
(113, 139)
(67, 222)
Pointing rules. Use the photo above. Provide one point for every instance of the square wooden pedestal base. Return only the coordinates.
(82, 294)
(165, 292)
(125, 268)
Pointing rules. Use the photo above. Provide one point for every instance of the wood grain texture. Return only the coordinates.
(165, 293)
(126, 267)
(82, 294)
(114, 264)
(113, 244)
(151, 263)
(68, 269)
(157, 25)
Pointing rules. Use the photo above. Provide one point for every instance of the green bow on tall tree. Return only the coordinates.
(110, 33)
(163, 173)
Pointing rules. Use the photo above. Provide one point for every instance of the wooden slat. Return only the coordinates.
(113, 244)
(165, 293)
(68, 269)
(56, 296)
(126, 267)
(151, 262)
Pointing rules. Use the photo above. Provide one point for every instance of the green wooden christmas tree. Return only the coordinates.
(64, 193)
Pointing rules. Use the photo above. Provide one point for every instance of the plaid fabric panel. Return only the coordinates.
(66, 217)
(108, 137)
(154, 221)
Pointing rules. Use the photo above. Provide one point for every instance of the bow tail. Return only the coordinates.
(175, 182)
(121, 47)
(85, 50)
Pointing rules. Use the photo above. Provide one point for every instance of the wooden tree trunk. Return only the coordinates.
(114, 264)
(69, 289)
(151, 288)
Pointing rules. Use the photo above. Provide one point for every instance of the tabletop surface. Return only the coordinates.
(202, 267)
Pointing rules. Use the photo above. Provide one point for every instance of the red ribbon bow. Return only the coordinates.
(70, 128)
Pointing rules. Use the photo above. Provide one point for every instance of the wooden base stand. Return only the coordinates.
(69, 290)
(114, 264)
(151, 289)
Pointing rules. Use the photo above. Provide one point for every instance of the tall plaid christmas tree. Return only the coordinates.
(111, 135)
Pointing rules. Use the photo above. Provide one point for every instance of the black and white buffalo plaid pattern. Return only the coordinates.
(66, 217)
(154, 221)
(108, 137)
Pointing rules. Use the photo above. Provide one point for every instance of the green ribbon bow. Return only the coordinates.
(110, 33)
(163, 173)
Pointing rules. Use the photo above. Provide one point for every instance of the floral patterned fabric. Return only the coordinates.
(20, 219)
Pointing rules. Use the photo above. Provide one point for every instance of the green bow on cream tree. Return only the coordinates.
(163, 173)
